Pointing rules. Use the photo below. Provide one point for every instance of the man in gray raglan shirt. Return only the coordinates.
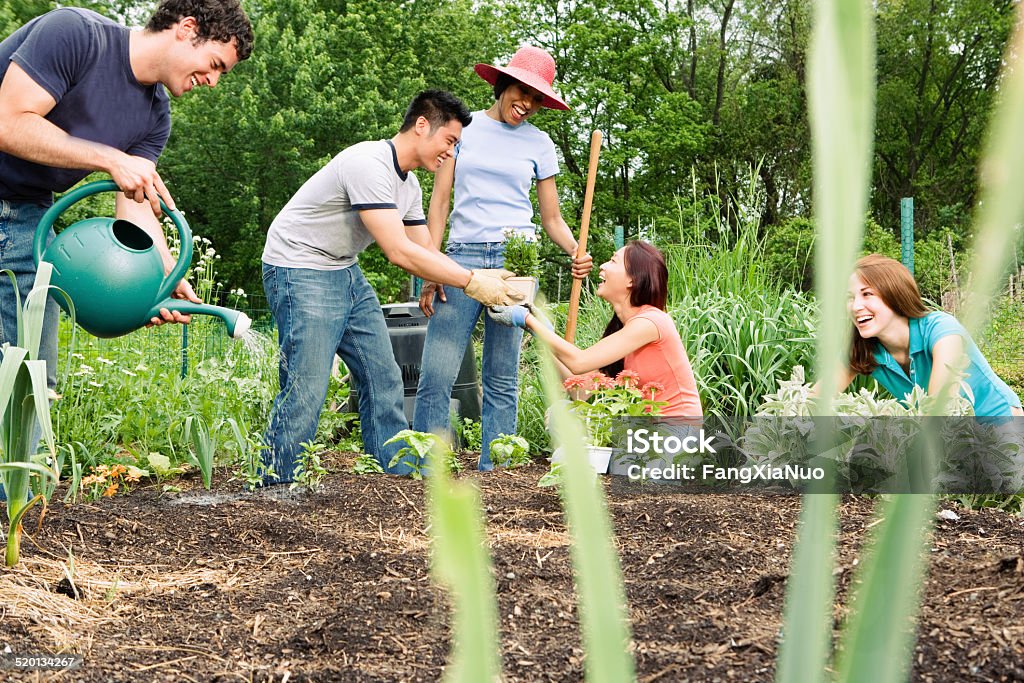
(322, 302)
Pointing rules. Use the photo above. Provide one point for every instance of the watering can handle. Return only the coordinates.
(89, 189)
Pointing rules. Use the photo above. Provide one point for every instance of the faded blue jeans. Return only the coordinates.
(18, 221)
(448, 333)
(320, 313)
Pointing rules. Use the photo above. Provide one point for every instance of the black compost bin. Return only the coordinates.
(407, 328)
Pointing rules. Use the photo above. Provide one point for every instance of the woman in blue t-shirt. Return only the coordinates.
(496, 163)
(901, 344)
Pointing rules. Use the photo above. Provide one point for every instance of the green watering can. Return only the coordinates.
(112, 272)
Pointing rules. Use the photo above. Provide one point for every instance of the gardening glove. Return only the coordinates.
(509, 316)
(489, 288)
(515, 316)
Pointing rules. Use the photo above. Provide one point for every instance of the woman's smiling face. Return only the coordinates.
(613, 281)
(519, 102)
(869, 313)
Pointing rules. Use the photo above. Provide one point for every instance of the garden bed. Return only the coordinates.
(335, 586)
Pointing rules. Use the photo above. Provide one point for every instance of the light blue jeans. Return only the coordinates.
(18, 221)
(320, 313)
(448, 333)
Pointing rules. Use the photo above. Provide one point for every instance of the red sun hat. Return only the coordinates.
(532, 66)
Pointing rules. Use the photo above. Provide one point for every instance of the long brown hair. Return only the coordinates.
(645, 266)
(898, 290)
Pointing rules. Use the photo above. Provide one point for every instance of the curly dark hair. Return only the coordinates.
(219, 20)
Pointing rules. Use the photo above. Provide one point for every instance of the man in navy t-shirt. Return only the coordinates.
(80, 93)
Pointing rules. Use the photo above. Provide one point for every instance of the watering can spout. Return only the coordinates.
(237, 323)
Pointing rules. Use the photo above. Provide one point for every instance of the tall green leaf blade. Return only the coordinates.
(841, 76)
(1001, 205)
(841, 72)
(9, 366)
(807, 615)
(878, 639)
(462, 564)
(598, 575)
(41, 398)
(35, 309)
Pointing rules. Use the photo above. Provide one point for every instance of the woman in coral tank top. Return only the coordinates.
(641, 337)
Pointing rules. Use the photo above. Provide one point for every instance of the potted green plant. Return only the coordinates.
(599, 400)
(522, 257)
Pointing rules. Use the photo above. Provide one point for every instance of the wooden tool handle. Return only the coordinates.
(588, 202)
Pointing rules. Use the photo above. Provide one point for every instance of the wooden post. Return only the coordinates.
(581, 249)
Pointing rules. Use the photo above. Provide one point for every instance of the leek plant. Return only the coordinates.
(599, 587)
(203, 447)
(461, 563)
(25, 405)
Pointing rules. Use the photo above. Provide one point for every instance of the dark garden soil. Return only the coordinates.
(334, 586)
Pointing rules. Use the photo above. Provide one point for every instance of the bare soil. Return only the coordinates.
(282, 585)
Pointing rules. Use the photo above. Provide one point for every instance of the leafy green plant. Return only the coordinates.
(553, 477)
(418, 447)
(522, 253)
(366, 464)
(249, 465)
(309, 471)
(161, 466)
(509, 450)
(25, 406)
(77, 454)
(470, 434)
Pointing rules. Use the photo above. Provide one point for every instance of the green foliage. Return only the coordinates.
(789, 253)
(509, 450)
(602, 604)
(553, 477)
(122, 394)
(937, 76)
(309, 471)
(470, 434)
(366, 464)
(322, 77)
(703, 250)
(522, 253)
(682, 97)
(600, 401)
(419, 446)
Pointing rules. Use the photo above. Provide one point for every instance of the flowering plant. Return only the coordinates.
(598, 400)
(522, 253)
(107, 479)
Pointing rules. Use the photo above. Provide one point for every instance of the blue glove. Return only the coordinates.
(510, 316)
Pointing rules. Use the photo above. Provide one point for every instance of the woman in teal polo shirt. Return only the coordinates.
(902, 344)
